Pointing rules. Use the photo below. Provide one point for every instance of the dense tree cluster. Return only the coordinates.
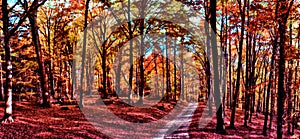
(260, 43)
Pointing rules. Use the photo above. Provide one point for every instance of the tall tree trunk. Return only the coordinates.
(104, 65)
(167, 70)
(1, 81)
(74, 78)
(281, 93)
(269, 87)
(253, 76)
(296, 82)
(265, 86)
(289, 87)
(248, 79)
(217, 94)
(175, 79)
(130, 54)
(230, 78)
(141, 61)
(83, 53)
(118, 73)
(207, 62)
(284, 9)
(50, 58)
(207, 68)
(181, 73)
(241, 39)
(38, 49)
(272, 101)
(258, 109)
(7, 118)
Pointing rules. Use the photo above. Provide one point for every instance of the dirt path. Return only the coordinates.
(182, 121)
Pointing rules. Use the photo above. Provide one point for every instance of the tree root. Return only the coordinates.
(7, 119)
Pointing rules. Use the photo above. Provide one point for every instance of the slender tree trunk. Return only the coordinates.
(230, 78)
(74, 79)
(1, 82)
(84, 53)
(296, 82)
(258, 109)
(141, 63)
(248, 79)
(207, 69)
(265, 86)
(175, 79)
(289, 88)
(87, 74)
(281, 93)
(130, 54)
(118, 73)
(272, 101)
(181, 74)
(167, 71)
(38, 49)
(50, 57)
(269, 87)
(239, 65)
(217, 94)
(284, 10)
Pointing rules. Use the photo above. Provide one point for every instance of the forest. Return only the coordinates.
(150, 69)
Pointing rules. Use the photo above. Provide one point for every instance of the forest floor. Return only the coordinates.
(32, 121)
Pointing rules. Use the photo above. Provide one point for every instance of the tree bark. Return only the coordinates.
(50, 57)
(241, 39)
(289, 89)
(284, 9)
(83, 53)
(1, 82)
(217, 88)
(130, 54)
(175, 79)
(38, 49)
(141, 61)
(269, 87)
(7, 118)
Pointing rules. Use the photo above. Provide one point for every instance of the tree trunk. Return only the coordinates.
(282, 20)
(241, 39)
(118, 73)
(1, 82)
(50, 57)
(181, 74)
(289, 88)
(130, 54)
(83, 53)
(269, 87)
(141, 63)
(167, 70)
(175, 85)
(207, 68)
(248, 79)
(272, 101)
(38, 49)
(7, 118)
(295, 91)
(265, 86)
(217, 94)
